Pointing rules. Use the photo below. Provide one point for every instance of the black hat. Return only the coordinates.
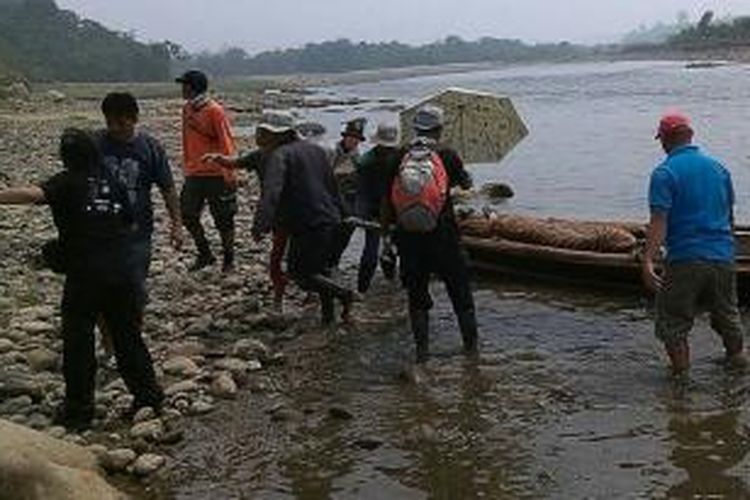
(355, 128)
(196, 80)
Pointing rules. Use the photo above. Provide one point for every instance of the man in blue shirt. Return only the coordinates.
(139, 162)
(691, 200)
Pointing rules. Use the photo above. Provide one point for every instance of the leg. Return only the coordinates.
(278, 277)
(369, 260)
(79, 312)
(725, 314)
(222, 203)
(456, 276)
(415, 276)
(676, 309)
(192, 200)
(123, 310)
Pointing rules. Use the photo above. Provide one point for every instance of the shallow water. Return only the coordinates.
(570, 398)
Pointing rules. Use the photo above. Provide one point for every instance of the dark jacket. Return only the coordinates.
(374, 176)
(298, 188)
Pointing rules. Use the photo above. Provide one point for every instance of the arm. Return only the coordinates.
(657, 232)
(223, 133)
(273, 185)
(165, 181)
(456, 170)
(22, 196)
(660, 196)
(171, 201)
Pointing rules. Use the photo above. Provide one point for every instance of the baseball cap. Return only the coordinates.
(197, 80)
(355, 128)
(671, 122)
(428, 117)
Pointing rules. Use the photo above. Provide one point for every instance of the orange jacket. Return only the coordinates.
(206, 129)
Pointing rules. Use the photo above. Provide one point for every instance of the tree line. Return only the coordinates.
(45, 43)
(345, 55)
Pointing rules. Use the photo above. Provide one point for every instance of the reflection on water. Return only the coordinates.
(707, 447)
(571, 399)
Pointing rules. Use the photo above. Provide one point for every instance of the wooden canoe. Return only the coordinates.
(606, 270)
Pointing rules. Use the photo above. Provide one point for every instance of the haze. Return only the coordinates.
(257, 25)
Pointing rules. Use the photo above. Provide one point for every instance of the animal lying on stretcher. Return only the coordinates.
(605, 237)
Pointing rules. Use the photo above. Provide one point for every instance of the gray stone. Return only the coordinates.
(6, 345)
(248, 349)
(184, 386)
(151, 429)
(223, 386)
(18, 405)
(37, 327)
(201, 407)
(144, 414)
(118, 460)
(148, 463)
(18, 384)
(181, 366)
(41, 359)
(235, 366)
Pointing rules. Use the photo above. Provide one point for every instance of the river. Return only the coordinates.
(570, 398)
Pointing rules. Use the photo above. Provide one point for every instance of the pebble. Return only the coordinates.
(235, 366)
(151, 429)
(144, 414)
(223, 386)
(181, 366)
(201, 407)
(248, 349)
(148, 463)
(37, 327)
(42, 359)
(117, 460)
(184, 386)
(6, 345)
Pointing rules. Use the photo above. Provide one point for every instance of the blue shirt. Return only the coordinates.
(139, 164)
(695, 192)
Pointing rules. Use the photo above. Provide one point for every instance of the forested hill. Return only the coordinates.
(45, 43)
(344, 55)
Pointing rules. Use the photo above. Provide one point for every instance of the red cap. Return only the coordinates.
(671, 122)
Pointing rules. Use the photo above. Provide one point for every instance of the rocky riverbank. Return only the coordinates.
(209, 334)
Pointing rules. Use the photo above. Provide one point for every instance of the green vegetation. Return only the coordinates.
(48, 44)
(707, 33)
(344, 55)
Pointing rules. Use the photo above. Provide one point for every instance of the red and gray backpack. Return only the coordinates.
(420, 189)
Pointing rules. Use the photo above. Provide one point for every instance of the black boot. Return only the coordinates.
(467, 322)
(420, 325)
(227, 246)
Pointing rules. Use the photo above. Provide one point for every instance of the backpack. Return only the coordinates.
(420, 189)
(105, 216)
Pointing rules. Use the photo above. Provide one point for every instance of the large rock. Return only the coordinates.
(36, 466)
(181, 366)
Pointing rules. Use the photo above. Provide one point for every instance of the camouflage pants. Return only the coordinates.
(690, 288)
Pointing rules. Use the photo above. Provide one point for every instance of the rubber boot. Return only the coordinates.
(327, 308)
(227, 246)
(467, 322)
(679, 356)
(420, 325)
(735, 351)
(205, 257)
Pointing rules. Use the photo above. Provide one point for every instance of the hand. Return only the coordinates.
(216, 158)
(175, 235)
(651, 279)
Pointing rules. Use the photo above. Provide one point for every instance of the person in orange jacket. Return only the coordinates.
(206, 130)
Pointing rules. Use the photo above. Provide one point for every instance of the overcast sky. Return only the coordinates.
(257, 25)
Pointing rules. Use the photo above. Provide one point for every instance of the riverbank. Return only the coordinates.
(210, 335)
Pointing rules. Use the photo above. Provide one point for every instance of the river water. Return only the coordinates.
(570, 398)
